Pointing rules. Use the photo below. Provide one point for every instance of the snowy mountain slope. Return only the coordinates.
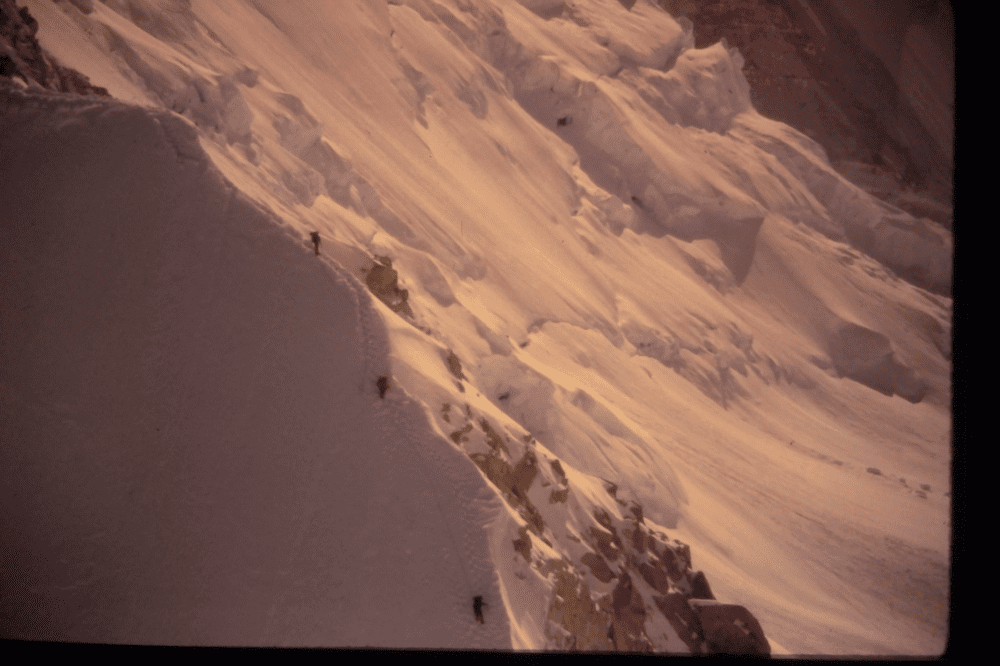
(221, 384)
(702, 313)
(253, 488)
(249, 491)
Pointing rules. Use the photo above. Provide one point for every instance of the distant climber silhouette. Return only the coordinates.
(383, 386)
(477, 608)
(315, 240)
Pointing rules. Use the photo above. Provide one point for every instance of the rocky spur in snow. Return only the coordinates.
(24, 60)
(618, 581)
(383, 281)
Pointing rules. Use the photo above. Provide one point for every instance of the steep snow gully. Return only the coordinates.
(591, 355)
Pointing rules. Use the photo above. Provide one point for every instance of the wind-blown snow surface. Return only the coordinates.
(640, 276)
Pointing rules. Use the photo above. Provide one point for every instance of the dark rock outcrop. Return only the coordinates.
(730, 629)
(22, 57)
(643, 572)
(700, 588)
(627, 629)
(682, 618)
(873, 85)
(383, 281)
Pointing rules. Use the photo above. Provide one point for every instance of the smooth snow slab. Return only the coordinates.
(194, 448)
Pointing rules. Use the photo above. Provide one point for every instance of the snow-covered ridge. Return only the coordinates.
(645, 279)
(202, 422)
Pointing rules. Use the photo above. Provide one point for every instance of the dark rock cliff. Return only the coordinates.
(21, 56)
(873, 83)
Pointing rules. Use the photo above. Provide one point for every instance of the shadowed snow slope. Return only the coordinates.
(194, 448)
(636, 312)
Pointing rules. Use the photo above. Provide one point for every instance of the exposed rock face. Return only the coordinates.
(872, 83)
(614, 574)
(730, 629)
(383, 281)
(22, 57)
(627, 630)
(700, 588)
